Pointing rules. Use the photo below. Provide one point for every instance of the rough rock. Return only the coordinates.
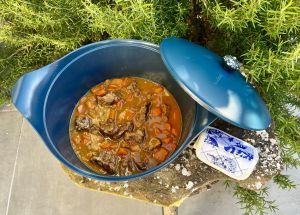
(187, 175)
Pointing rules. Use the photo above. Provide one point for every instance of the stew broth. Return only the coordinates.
(125, 125)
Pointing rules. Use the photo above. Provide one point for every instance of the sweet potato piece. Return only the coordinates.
(161, 154)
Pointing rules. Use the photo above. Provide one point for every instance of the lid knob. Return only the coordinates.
(231, 63)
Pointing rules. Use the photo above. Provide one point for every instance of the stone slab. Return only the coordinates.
(10, 129)
(41, 187)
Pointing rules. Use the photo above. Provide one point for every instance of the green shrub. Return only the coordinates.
(35, 33)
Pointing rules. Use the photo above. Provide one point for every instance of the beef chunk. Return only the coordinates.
(165, 109)
(108, 128)
(135, 136)
(133, 89)
(108, 161)
(153, 143)
(165, 112)
(122, 129)
(142, 115)
(83, 123)
(95, 130)
(140, 165)
(108, 99)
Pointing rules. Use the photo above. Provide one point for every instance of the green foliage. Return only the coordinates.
(284, 182)
(35, 33)
(254, 202)
(264, 35)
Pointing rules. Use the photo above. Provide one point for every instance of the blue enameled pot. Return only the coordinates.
(46, 97)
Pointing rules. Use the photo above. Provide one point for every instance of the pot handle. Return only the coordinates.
(29, 93)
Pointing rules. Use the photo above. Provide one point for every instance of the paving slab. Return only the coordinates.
(219, 200)
(41, 187)
(10, 128)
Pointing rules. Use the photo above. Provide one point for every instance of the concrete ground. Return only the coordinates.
(32, 183)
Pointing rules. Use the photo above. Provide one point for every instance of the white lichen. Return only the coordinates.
(185, 172)
(258, 185)
(189, 185)
(173, 189)
(177, 167)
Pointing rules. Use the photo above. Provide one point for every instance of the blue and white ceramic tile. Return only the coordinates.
(230, 155)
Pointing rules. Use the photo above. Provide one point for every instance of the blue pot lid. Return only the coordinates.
(215, 83)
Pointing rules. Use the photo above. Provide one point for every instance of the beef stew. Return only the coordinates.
(125, 125)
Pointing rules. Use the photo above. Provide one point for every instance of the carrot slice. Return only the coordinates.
(167, 126)
(90, 104)
(157, 131)
(135, 148)
(129, 97)
(161, 154)
(122, 152)
(156, 111)
(85, 141)
(158, 89)
(83, 99)
(119, 105)
(81, 109)
(101, 92)
(175, 132)
(112, 113)
(125, 82)
(105, 145)
(97, 88)
(166, 132)
(117, 82)
(175, 116)
(129, 114)
(76, 138)
(167, 140)
(171, 146)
